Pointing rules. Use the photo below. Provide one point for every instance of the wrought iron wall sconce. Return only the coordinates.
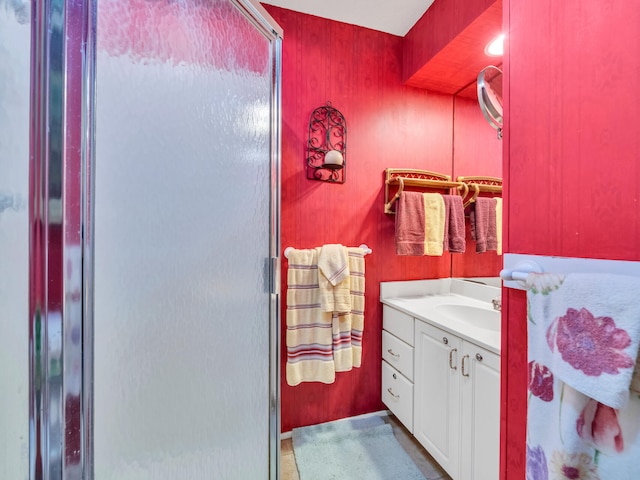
(327, 145)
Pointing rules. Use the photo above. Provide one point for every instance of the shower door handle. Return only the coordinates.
(274, 276)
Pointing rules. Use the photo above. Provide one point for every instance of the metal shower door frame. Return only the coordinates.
(61, 238)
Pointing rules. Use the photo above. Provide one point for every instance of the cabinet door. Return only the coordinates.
(480, 373)
(437, 394)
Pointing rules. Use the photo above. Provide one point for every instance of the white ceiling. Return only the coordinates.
(391, 16)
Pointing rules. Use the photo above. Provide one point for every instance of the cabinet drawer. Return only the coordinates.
(397, 394)
(398, 354)
(398, 323)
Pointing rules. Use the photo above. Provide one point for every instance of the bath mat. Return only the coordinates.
(353, 449)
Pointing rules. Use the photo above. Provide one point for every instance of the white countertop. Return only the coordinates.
(422, 307)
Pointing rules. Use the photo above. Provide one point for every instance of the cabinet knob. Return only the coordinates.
(478, 357)
(395, 377)
(445, 340)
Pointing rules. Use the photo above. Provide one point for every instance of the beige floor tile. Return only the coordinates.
(288, 468)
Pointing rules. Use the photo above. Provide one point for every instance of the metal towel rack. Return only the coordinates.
(363, 246)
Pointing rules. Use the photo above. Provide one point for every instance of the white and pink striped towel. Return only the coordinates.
(321, 343)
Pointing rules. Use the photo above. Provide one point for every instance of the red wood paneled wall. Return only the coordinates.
(440, 24)
(388, 125)
(571, 157)
(476, 151)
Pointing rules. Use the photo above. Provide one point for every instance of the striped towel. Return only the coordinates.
(309, 329)
(322, 343)
(356, 269)
(333, 278)
(348, 327)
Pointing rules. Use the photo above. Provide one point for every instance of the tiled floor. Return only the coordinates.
(423, 460)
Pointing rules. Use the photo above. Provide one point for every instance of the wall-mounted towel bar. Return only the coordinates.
(518, 266)
(520, 270)
(417, 178)
(364, 247)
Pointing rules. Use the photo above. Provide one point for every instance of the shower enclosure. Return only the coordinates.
(15, 44)
(143, 344)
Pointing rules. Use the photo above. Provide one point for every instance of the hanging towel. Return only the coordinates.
(484, 224)
(357, 280)
(341, 336)
(348, 327)
(591, 330)
(499, 225)
(433, 224)
(309, 329)
(333, 278)
(582, 347)
(454, 240)
(410, 224)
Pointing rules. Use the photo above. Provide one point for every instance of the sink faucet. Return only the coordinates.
(497, 303)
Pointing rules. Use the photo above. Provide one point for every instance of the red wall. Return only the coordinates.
(476, 151)
(388, 125)
(572, 143)
(441, 23)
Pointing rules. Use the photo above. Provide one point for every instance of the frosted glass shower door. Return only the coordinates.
(15, 43)
(183, 237)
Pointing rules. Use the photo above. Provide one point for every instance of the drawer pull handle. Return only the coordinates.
(478, 357)
(451, 365)
(445, 340)
(396, 355)
(392, 394)
(464, 374)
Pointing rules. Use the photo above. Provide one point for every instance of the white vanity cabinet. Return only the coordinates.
(436, 418)
(480, 416)
(457, 403)
(397, 364)
(444, 388)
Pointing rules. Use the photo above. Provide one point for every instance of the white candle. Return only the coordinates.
(333, 157)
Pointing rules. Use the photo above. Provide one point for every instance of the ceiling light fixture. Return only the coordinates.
(495, 47)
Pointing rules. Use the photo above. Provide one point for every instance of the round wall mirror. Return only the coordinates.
(490, 96)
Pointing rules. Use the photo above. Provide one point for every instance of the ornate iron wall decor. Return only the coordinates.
(327, 146)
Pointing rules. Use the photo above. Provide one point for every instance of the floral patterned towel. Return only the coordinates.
(588, 329)
(571, 435)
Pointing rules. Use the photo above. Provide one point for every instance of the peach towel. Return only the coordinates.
(434, 224)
